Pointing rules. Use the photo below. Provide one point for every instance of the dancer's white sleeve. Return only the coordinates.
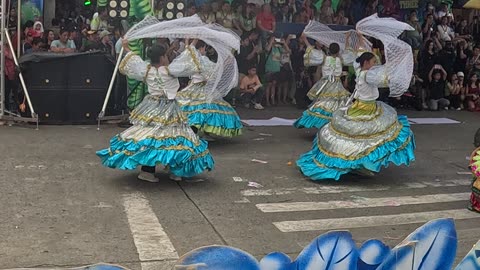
(134, 67)
(187, 63)
(313, 57)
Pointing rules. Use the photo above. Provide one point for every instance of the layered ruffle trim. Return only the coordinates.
(214, 118)
(319, 165)
(181, 155)
(313, 118)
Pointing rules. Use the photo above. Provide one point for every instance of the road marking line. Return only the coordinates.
(371, 221)
(361, 203)
(152, 243)
(358, 188)
(237, 179)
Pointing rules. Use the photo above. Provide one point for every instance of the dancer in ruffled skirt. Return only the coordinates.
(216, 117)
(160, 134)
(475, 167)
(364, 137)
(328, 94)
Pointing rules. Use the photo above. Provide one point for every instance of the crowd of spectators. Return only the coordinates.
(447, 57)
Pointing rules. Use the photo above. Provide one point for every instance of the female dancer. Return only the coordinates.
(329, 92)
(364, 137)
(217, 117)
(475, 166)
(160, 133)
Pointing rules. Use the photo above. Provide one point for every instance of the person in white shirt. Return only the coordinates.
(445, 33)
(63, 44)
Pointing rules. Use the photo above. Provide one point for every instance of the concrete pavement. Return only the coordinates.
(60, 207)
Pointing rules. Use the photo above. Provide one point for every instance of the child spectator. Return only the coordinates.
(436, 89)
(251, 90)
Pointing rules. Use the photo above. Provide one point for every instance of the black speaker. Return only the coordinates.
(47, 75)
(71, 90)
(50, 104)
(91, 72)
(84, 105)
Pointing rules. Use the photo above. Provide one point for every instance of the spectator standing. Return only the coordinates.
(472, 93)
(226, 18)
(206, 14)
(11, 83)
(247, 18)
(266, 22)
(445, 33)
(251, 90)
(436, 99)
(285, 15)
(91, 42)
(446, 57)
(27, 43)
(50, 37)
(37, 45)
(286, 74)
(248, 55)
(100, 20)
(326, 12)
(475, 29)
(427, 59)
(428, 27)
(38, 28)
(443, 11)
(309, 9)
(340, 18)
(106, 44)
(414, 38)
(273, 66)
(463, 53)
(462, 31)
(63, 44)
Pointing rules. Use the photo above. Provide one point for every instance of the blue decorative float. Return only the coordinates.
(431, 247)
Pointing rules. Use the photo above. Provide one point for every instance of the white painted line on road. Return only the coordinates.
(371, 221)
(243, 200)
(361, 203)
(237, 179)
(353, 188)
(464, 173)
(152, 243)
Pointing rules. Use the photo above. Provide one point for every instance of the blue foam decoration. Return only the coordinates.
(431, 247)
(471, 260)
(331, 251)
(371, 254)
(218, 258)
(276, 261)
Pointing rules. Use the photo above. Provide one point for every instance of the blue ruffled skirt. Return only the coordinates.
(160, 135)
(329, 97)
(355, 143)
(217, 117)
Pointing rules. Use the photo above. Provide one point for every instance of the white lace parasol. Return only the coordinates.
(398, 54)
(225, 75)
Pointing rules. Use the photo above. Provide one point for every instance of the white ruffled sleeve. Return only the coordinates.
(134, 67)
(377, 76)
(187, 63)
(313, 57)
